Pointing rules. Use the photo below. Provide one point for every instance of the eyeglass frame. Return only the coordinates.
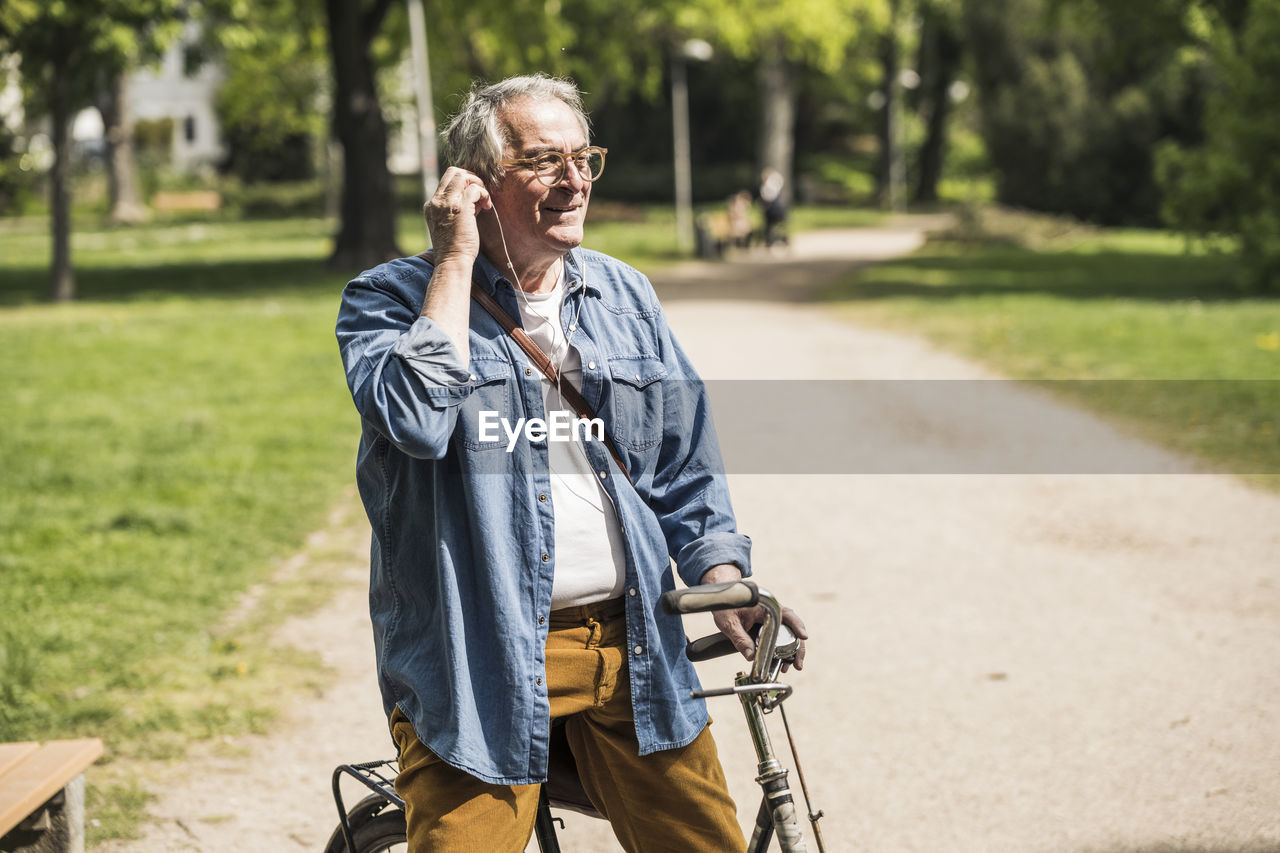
(564, 164)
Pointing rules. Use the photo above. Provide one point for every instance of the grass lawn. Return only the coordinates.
(168, 439)
(1103, 306)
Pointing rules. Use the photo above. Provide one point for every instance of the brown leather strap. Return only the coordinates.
(540, 360)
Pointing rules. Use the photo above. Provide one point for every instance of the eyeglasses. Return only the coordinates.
(551, 168)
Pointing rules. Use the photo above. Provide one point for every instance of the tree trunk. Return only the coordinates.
(940, 48)
(124, 192)
(62, 281)
(366, 233)
(890, 168)
(778, 115)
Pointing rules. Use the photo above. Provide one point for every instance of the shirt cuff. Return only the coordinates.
(433, 355)
(712, 550)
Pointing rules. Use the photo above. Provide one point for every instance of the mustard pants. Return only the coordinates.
(673, 800)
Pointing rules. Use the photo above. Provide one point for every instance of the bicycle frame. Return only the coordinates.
(758, 692)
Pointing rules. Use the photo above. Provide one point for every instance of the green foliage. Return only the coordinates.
(157, 458)
(17, 185)
(275, 200)
(272, 101)
(85, 41)
(1075, 94)
(1230, 185)
(816, 32)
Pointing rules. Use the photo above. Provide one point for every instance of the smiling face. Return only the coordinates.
(540, 223)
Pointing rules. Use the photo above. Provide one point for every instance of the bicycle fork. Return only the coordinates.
(777, 808)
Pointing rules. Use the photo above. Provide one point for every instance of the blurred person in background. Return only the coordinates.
(774, 202)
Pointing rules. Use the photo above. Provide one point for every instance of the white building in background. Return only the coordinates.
(168, 91)
(11, 114)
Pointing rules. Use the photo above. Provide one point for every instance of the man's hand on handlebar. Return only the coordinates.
(735, 624)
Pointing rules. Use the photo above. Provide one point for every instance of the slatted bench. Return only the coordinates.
(166, 200)
(42, 795)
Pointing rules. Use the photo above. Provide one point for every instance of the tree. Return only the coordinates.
(779, 36)
(891, 164)
(1229, 185)
(367, 230)
(273, 98)
(67, 49)
(124, 191)
(1074, 97)
(941, 49)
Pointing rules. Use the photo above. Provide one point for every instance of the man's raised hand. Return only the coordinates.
(451, 216)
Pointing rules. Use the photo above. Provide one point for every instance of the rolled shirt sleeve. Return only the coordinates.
(405, 374)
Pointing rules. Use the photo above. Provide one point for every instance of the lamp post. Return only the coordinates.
(701, 51)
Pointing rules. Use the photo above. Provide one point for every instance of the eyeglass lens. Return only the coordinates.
(589, 163)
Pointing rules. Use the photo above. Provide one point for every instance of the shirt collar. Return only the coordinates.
(575, 273)
(487, 273)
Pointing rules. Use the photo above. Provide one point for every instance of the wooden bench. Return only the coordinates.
(181, 201)
(42, 795)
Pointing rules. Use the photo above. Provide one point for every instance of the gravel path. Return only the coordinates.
(1000, 663)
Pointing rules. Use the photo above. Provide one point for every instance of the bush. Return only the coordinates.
(275, 200)
(1075, 97)
(18, 185)
(1230, 185)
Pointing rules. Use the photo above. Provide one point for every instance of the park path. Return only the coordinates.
(999, 663)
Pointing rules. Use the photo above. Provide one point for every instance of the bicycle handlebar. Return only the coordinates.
(712, 596)
(726, 596)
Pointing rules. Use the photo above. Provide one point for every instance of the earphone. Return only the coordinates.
(573, 328)
(573, 325)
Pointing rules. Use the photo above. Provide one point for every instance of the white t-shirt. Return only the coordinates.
(590, 562)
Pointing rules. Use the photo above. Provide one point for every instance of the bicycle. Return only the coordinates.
(376, 824)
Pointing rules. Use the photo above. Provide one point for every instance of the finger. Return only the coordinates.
(476, 193)
(465, 193)
(450, 182)
(800, 656)
(730, 623)
(792, 621)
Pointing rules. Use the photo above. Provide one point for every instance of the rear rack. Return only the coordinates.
(377, 776)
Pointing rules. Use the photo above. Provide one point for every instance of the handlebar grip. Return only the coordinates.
(709, 647)
(714, 596)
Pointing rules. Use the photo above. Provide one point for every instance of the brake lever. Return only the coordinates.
(718, 645)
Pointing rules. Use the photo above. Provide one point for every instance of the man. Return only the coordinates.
(514, 577)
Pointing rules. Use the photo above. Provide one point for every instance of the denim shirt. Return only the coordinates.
(462, 554)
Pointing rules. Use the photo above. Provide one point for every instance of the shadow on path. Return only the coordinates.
(945, 274)
(800, 274)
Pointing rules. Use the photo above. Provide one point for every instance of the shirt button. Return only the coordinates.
(638, 650)
(539, 679)
(528, 371)
(602, 475)
(472, 377)
(591, 365)
(637, 377)
(542, 620)
(542, 498)
(546, 558)
(573, 327)
(633, 592)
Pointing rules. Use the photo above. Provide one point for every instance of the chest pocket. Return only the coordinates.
(490, 398)
(635, 401)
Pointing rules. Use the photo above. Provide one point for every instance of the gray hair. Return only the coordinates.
(475, 138)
